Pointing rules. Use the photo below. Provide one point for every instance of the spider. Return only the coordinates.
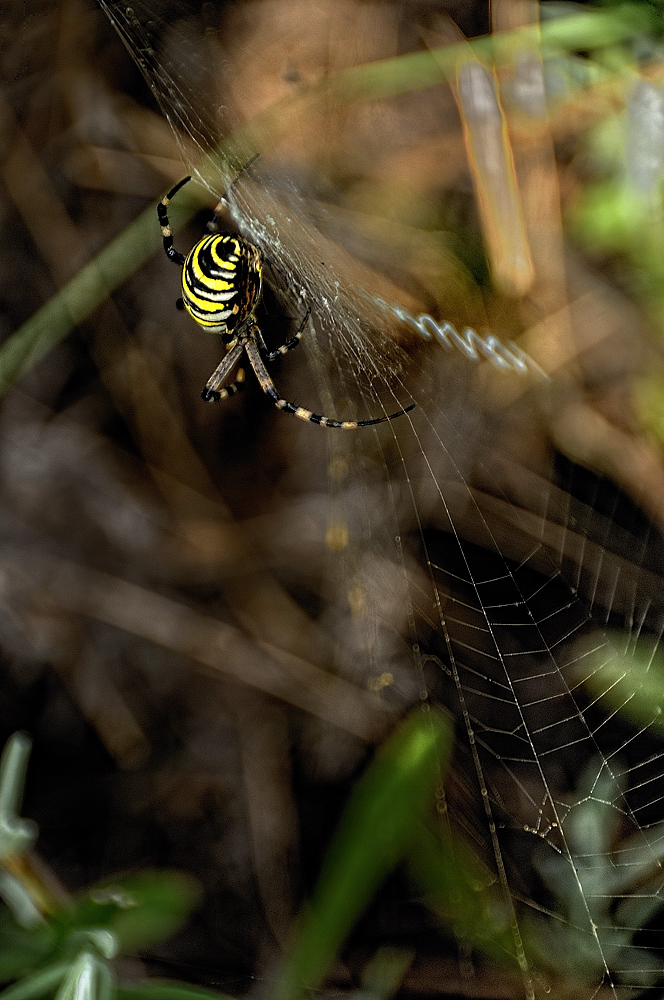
(222, 283)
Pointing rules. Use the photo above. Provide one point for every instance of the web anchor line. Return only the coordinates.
(470, 343)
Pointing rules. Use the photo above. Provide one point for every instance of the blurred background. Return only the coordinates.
(212, 615)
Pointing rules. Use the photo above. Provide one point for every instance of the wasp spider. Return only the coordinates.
(222, 283)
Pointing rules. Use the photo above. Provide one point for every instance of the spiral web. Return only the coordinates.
(522, 593)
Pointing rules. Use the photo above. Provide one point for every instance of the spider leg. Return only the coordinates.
(213, 224)
(269, 388)
(215, 388)
(230, 390)
(166, 232)
(294, 341)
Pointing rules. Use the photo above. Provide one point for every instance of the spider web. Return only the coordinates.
(510, 586)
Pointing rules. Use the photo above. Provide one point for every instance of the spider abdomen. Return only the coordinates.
(221, 282)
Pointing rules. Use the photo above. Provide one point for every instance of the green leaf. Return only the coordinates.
(88, 978)
(22, 948)
(39, 984)
(375, 833)
(139, 910)
(19, 900)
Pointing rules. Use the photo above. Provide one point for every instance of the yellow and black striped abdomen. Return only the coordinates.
(221, 282)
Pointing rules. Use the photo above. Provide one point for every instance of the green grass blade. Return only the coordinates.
(384, 811)
(84, 293)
